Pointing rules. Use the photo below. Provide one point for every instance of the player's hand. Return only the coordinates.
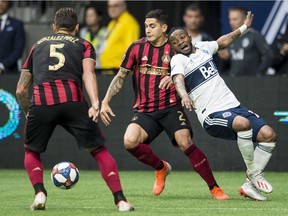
(105, 112)
(165, 83)
(93, 113)
(187, 103)
(249, 19)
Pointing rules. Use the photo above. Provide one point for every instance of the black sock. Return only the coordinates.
(39, 187)
(161, 166)
(118, 196)
(212, 186)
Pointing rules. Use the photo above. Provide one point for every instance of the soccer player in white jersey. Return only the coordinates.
(201, 88)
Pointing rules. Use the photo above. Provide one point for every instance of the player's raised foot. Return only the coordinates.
(160, 177)
(249, 190)
(219, 194)
(259, 181)
(39, 201)
(124, 206)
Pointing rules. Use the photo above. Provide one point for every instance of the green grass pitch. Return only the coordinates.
(185, 194)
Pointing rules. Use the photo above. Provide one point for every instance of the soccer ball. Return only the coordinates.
(65, 175)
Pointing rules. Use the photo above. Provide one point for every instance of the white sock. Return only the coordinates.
(262, 154)
(246, 148)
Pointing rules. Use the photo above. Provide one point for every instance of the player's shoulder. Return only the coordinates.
(142, 40)
(139, 42)
(179, 57)
(202, 44)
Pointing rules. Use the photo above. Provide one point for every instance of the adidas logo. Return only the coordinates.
(111, 173)
(144, 58)
(183, 123)
(37, 169)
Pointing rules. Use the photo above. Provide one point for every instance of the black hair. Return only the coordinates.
(66, 18)
(175, 29)
(159, 14)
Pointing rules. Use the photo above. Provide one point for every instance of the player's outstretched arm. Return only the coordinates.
(181, 90)
(22, 91)
(225, 40)
(90, 82)
(113, 89)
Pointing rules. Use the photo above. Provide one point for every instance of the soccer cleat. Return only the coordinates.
(160, 177)
(259, 181)
(39, 201)
(219, 194)
(249, 190)
(124, 206)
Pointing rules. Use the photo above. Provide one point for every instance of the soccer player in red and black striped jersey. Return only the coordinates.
(57, 65)
(157, 106)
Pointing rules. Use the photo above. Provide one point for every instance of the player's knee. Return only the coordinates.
(130, 142)
(270, 136)
(183, 145)
(184, 142)
(243, 125)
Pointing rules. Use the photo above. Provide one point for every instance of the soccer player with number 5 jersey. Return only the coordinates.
(57, 66)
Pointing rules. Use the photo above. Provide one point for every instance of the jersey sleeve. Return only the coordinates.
(89, 51)
(209, 46)
(129, 59)
(177, 65)
(27, 66)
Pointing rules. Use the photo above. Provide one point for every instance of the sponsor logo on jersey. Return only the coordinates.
(151, 69)
(226, 114)
(208, 69)
(200, 75)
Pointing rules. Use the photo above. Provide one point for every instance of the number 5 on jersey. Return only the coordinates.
(58, 55)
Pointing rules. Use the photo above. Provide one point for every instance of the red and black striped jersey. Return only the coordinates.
(150, 64)
(56, 64)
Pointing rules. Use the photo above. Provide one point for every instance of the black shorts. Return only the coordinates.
(170, 120)
(73, 116)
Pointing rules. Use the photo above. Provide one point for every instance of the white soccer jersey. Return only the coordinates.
(204, 85)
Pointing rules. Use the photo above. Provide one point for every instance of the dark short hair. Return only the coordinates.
(66, 18)
(159, 14)
(242, 10)
(193, 7)
(175, 29)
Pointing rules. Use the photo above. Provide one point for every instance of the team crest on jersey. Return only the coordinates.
(166, 58)
(226, 114)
